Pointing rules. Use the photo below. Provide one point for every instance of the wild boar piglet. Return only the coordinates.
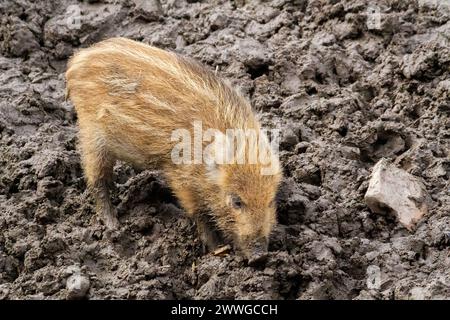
(135, 101)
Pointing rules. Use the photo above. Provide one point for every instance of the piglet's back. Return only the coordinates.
(131, 83)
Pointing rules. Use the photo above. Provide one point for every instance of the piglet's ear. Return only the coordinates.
(212, 170)
(215, 154)
(211, 166)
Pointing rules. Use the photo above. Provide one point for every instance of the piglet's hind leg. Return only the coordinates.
(98, 168)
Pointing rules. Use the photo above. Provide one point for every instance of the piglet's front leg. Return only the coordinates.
(209, 235)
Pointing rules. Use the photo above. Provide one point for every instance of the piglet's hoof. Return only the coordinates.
(111, 221)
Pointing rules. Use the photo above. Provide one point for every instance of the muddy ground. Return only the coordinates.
(351, 82)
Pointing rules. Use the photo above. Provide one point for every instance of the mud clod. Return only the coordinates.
(394, 191)
(77, 286)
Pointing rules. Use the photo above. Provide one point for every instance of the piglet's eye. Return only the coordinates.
(236, 202)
